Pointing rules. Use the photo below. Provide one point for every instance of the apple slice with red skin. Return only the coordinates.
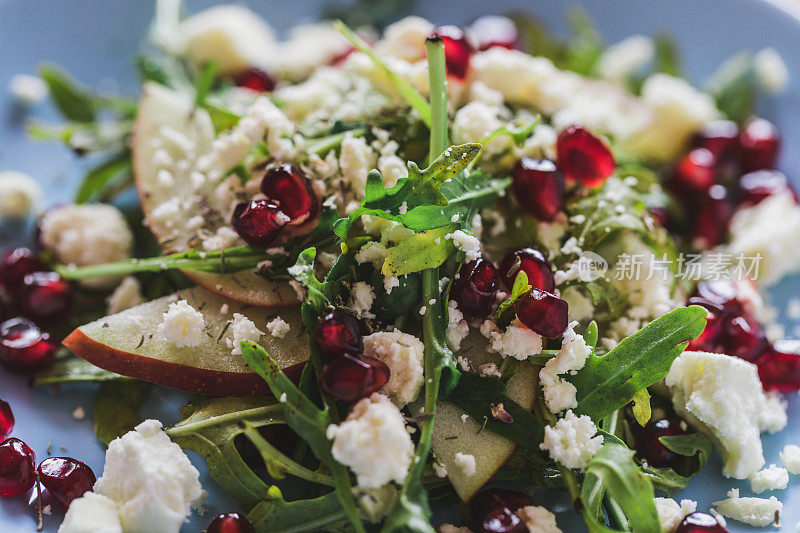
(165, 121)
(129, 344)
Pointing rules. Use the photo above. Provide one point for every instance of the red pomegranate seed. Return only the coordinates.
(230, 523)
(256, 80)
(348, 378)
(583, 157)
(6, 420)
(45, 296)
(15, 265)
(475, 288)
(696, 171)
(743, 337)
(720, 137)
(709, 339)
(533, 263)
(700, 523)
(338, 333)
(289, 188)
(494, 511)
(543, 312)
(660, 215)
(712, 218)
(24, 347)
(760, 143)
(779, 370)
(258, 222)
(538, 187)
(65, 479)
(721, 292)
(648, 446)
(494, 30)
(457, 50)
(757, 185)
(17, 467)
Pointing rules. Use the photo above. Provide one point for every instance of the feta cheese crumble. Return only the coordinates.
(182, 325)
(28, 89)
(278, 327)
(516, 341)
(403, 354)
(242, 329)
(373, 442)
(670, 513)
(771, 70)
(457, 327)
(790, 457)
(19, 193)
(771, 478)
(91, 513)
(361, 298)
(466, 463)
(538, 519)
(572, 440)
(625, 58)
(757, 512)
(465, 242)
(559, 394)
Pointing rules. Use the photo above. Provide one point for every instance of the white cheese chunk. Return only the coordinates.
(790, 457)
(466, 463)
(538, 519)
(771, 478)
(278, 327)
(516, 341)
(757, 512)
(571, 441)
(182, 325)
(405, 39)
(625, 58)
(403, 354)
(19, 193)
(242, 330)
(771, 70)
(559, 394)
(670, 513)
(465, 242)
(91, 513)
(28, 89)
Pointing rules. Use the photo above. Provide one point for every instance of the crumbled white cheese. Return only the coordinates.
(757, 512)
(790, 457)
(372, 252)
(373, 442)
(127, 294)
(182, 325)
(722, 397)
(224, 237)
(538, 519)
(439, 469)
(361, 298)
(466, 463)
(389, 283)
(771, 478)
(79, 413)
(150, 480)
(625, 58)
(278, 327)
(474, 122)
(579, 304)
(28, 89)
(490, 369)
(91, 513)
(355, 161)
(19, 193)
(242, 329)
(465, 242)
(403, 354)
(771, 70)
(670, 514)
(516, 341)
(572, 440)
(405, 39)
(457, 327)
(559, 394)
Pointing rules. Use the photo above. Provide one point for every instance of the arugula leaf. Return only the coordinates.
(110, 137)
(696, 447)
(609, 382)
(99, 179)
(641, 407)
(426, 249)
(734, 86)
(518, 134)
(116, 407)
(505, 311)
(73, 102)
(667, 58)
(276, 515)
(584, 47)
(74, 370)
(204, 83)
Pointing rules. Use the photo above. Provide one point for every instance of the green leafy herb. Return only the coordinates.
(116, 408)
(584, 47)
(668, 58)
(426, 249)
(276, 515)
(641, 407)
(112, 174)
(74, 370)
(611, 381)
(505, 311)
(734, 86)
(205, 81)
(518, 134)
(72, 101)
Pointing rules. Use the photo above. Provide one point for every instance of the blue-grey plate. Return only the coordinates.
(96, 40)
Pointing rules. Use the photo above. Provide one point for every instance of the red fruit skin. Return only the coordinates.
(65, 479)
(648, 446)
(584, 157)
(289, 188)
(721, 138)
(538, 187)
(348, 378)
(45, 297)
(543, 312)
(17, 467)
(533, 263)
(6, 420)
(758, 185)
(695, 172)
(700, 523)
(494, 511)
(230, 523)
(712, 218)
(258, 222)
(15, 264)
(492, 30)
(24, 348)
(457, 50)
(339, 332)
(475, 288)
(779, 370)
(744, 338)
(760, 144)
(256, 80)
(709, 339)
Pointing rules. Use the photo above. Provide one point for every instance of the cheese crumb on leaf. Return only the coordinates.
(403, 354)
(182, 325)
(571, 441)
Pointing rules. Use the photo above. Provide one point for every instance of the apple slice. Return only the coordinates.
(129, 343)
(169, 136)
(452, 434)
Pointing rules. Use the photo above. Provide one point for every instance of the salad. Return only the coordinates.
(408, 269)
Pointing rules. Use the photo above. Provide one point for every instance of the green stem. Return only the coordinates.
(438, 88)
(323, 145)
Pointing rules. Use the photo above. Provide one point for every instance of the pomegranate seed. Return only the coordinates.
(708, 340)
(660, 215)
(533, 263)
(757, 185)
(339, 332)
(583, 157)
(230, 523)
(543, 312)
(713, 217)
(24, 347)
(700, 523)
(720, 137)
(256, 80)
(475, 288)
(648, 446)
(696, 171)
(348, 378)
(17, 467)
(743, 337)
(6, 420)
(258, 222)
(457, 50)
(723, 293)
(45, 296)
(494, 511)
(760, 143)
(779, 370)
(65, 479)
(538, 187)
(289, 188)
(494, 30)
(15, 265)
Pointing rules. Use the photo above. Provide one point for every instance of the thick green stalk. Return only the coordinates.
(438, 86)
